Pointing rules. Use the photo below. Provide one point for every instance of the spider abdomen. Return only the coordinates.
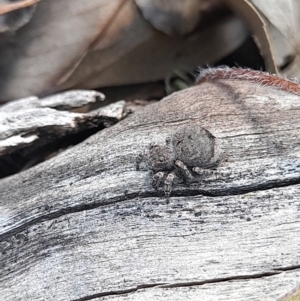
(195, 146)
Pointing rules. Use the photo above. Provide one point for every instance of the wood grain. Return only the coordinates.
(87, 225)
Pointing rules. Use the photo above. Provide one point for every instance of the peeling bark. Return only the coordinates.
(33, 128)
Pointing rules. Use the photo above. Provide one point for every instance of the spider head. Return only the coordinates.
(161, 158)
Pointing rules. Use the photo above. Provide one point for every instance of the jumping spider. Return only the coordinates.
(190, 147)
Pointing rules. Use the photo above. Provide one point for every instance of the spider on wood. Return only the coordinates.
(190, 147)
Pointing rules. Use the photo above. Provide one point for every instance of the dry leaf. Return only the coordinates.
(9, 7)
(14, 16)
(175, 17)
(284, 15)
(76, 44)
(155, 55)
(257, 26)
(275, 26)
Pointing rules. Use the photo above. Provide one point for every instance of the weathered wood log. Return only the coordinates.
(85, 225)
(33, 127)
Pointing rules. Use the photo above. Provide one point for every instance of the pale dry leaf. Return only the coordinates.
(258, 27)
(293, 69)
(275, 24)
(283, 18)
(284, 15)
(283, 51)
(175, 17)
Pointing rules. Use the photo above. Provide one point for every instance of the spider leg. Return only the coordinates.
(169, 183)
(139, 159)
(185, 171)
(204, 172)
(157, 179)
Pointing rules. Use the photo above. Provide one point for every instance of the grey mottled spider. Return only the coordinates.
(190, 147)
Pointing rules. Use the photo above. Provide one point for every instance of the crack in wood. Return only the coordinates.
(121, 292)
(131, 196)
(192, 283)
(237, 220)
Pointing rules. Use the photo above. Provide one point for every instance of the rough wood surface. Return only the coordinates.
(86, 225)
(26, 120)
(239, 289)
(33, 127)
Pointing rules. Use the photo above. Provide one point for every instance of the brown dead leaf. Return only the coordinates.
(154, 56)
(7, 8)
(75, 44)
(14, 16)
